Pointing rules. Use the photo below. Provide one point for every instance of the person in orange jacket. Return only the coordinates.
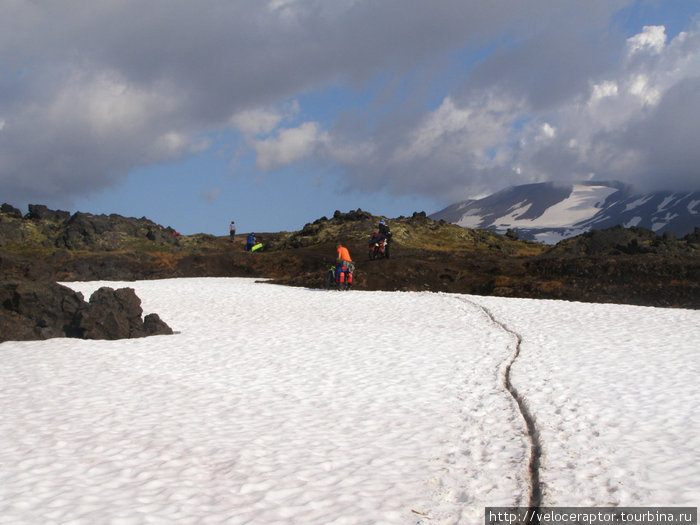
(343, 254)
(343, 259)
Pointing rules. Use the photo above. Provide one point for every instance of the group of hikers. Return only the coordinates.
(344, 264)
(252, 243)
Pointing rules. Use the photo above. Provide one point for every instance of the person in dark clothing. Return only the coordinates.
(384, 229)
(250, 242)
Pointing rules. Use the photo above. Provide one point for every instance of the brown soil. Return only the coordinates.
(643, 279)
(633, 266)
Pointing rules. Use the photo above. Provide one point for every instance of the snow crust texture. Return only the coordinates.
(614, 391)
(283, 405)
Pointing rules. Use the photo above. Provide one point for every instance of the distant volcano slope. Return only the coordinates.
(548, 212)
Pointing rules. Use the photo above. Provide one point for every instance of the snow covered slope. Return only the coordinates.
(549, 213)
(291, 405)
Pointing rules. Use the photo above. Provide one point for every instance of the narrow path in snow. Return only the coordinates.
(535, 497)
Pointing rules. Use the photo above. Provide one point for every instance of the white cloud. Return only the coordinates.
(651, 39)
(548, 131)
(624, 131)
(105, 104)
(288, 146)
(170, 144)
(632, 126)
(258, 122)
(274, 5)
(640, 86)
(603, 90)
(253, 122)
(89, 94)
(452, 133)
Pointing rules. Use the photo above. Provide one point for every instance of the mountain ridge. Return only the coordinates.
(621, 265)
(549, 212)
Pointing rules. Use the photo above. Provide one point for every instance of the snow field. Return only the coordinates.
(284, 405)
(615, 392)
(270, 405)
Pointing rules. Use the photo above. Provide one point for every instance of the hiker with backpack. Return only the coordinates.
(343, 264)
(253, 243)
(250, 242)
(343, 255)
(384, 230)
(379, 242)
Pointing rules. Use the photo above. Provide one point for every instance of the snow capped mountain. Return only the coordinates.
(549, 212)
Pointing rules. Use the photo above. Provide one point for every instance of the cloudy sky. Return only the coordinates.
(277, 112)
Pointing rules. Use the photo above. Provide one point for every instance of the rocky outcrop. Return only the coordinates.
(38, 310)
(46, 228)
(44, 309)
(10, 211)
(631, 241)
(116, 314)
(39, 212)
(340, 226)
(86, 231)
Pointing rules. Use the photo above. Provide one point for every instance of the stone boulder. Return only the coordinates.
(351, 216)
(116, 314)
(44, 309)
(10, 211)
(38, 310)
(42, 213)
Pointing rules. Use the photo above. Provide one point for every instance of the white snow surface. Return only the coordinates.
(668, 200)
(474, 220)
(582, 204)
(554, 236)
(634, 221)
(638, 202)
(289, 405)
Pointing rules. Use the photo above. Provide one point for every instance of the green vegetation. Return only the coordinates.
(416, 232)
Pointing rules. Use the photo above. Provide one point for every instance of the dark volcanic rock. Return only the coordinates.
(38, 310)
(42, 213)
(14, 267)
(618, 240)
(693, 239)
(10, 211)
(112, 315)
(44, 309)
(633, 265)
(154, 325)
(46, 228)
(87, 231)
(116, 314)
(352, 215)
